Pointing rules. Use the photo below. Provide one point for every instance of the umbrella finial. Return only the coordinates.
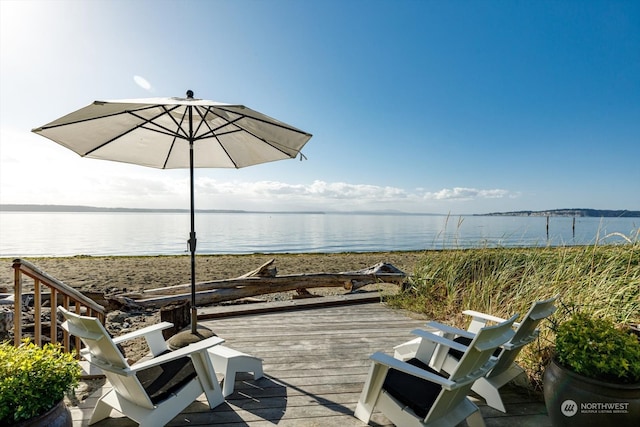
(190, 94)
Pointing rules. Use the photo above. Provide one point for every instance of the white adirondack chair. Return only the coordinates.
(409, 393)
(506, 369)
(150, 392)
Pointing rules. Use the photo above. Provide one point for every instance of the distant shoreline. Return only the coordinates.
(89, 209)
(592, 213)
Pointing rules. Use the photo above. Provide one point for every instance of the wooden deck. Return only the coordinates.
(315, 363)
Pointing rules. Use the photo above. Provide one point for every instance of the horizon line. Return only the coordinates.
(580, 212)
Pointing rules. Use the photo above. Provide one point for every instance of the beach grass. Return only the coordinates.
(603, 279)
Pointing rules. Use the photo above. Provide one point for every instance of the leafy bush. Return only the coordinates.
(595, 348)
(33, 379)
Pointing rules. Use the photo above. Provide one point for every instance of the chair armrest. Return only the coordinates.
(487, 317)
(407, 350)
(152, 335)
(385, 359)
(413, 342)
(176, 354)
(172, 355)
(450, 330)
(439, 340)
(522, 341)
(142, 332)
(105, 366)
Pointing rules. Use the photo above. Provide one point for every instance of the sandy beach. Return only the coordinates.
(113, 273)
(109, 275)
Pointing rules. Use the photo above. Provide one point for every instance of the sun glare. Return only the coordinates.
(142, 82)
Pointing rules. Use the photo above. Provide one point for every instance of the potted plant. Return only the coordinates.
(33, 383)
(594, 377)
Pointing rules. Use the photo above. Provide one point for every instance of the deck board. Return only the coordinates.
(315, 362)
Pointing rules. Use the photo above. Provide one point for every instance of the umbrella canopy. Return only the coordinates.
(158, 132)
(171, 133)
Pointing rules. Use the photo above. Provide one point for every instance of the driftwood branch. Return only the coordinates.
(264, 270)
(259, 282)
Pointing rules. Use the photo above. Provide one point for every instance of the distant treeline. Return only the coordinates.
(597, 213)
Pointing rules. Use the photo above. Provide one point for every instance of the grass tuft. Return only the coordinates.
(605, 279)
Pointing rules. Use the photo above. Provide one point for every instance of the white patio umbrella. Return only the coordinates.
(169, 133)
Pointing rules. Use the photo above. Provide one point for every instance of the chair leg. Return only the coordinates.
(370, 392)
(207, 378)
(475, 420)
(258, 372)
(490, 393)
(101, 411)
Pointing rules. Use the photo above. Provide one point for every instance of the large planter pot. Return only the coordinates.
(58, 416)
(574, 400)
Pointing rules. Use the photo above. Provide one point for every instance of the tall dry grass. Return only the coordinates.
(604, 279)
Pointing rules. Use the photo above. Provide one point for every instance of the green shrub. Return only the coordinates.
(595, 348)
(33, 379)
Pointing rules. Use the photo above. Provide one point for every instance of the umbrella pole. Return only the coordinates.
(192, 248)
(185, 338)
(192, 235)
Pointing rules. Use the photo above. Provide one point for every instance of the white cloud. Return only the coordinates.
(339, 195)
(461, 193)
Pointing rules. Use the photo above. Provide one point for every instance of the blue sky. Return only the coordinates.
(420, 106)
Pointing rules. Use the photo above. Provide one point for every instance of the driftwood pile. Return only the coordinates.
(261, 281)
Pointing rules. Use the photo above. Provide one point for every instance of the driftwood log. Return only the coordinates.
(261, 281)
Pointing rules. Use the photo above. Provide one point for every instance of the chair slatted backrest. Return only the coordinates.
(526, 332)
(103, 353)
(473, 364)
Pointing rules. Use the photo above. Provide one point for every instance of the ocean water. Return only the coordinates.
(29, 234)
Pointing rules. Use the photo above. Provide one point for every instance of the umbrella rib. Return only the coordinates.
(202, 120)
(214, 134)
(243, 116)
(78, 121)
(213, 131)
(179, 133)
(141, 125)
(280, 125)
(166, 160)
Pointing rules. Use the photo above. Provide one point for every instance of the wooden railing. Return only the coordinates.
(60, 294)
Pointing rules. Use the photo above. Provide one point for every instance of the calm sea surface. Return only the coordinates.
(26, 234)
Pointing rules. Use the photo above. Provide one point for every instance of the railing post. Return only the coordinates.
(54, 316)
(77, 338)
(17, 305)
(37, 304)
(65, 335)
